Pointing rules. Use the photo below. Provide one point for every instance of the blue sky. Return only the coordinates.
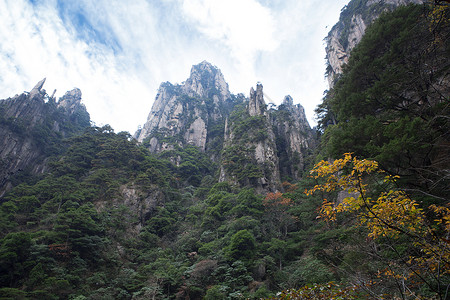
(118, 52)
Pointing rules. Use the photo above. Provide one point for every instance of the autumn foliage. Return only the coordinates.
(276, 199)
(326, 291)
(390, 214)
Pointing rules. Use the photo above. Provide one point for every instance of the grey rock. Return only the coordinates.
(337, 53)
(262, 153)
(71, 101)
(187, 110)
(21, 150)
(37, 89)
(140, 203)
(295, 134)
(256, 104)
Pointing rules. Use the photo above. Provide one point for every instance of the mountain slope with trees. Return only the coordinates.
(214, 201)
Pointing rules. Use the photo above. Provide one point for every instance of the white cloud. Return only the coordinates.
(40, 45)
(243, 25)
(118, 52)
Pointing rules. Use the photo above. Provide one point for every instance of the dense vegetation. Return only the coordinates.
(392, 104)
(75, 232)
(112, 221)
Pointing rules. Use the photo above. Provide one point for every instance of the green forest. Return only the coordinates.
(370, 219)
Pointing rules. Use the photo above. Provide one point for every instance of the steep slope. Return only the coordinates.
(189, 114)
(266, 146)
(250, 153)
(391, 103)
(240, 134)
(294, 138)
(31, 125)
(347, 33)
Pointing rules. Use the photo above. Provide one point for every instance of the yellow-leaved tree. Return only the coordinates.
(389, 213)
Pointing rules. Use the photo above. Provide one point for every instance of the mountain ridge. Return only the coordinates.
(198, 113)
(221, 207)
(31, 127)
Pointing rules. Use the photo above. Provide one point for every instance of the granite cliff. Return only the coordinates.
(347, 33)
(253, 145)
(32, 126)
(295, 138)
(188, 114)
(250, 152)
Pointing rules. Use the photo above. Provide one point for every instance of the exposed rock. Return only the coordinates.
(198, 113)
(295, 138)
(28, 124)
(347, 33)
(185, 114)
(141, 205)
(196, 134)
(255, 149)
(71, 101)
(256, 105)
(204, 79)
(37, 89)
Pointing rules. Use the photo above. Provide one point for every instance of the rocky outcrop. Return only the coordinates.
(254, 146)
(295, 138)
(256, 104)
(30, 125)
(71, 101)
(206, 81)
(141, 205)
(185, 114)
(347, 33)
(250, 153)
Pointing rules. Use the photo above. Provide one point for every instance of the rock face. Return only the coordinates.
(347, 33)
(142, 204)
(184, 113)
(254, 146)
(295, 138)
(250, 152)
(256, 104)
(264, 147)
(30, 123)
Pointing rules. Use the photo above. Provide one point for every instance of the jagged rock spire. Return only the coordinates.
(205, 77)
(256, 103)
(37, 88)
(181, 110)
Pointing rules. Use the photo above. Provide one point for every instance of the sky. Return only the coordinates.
(119, 52)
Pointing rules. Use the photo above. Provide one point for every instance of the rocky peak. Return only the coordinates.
(256, 104)
(294, 137)
(30, 126)
(71, 101)
(206, 78)
(37, 89)
(250, 152)
(297, 111)
(288, 101)
(183, 114)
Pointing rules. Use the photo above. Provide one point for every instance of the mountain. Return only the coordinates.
(241, 134)
(188, 114)
(348, 32)
(32, 126)
(210, 200)
(393, 96)
(250, 153)
(294, 138)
